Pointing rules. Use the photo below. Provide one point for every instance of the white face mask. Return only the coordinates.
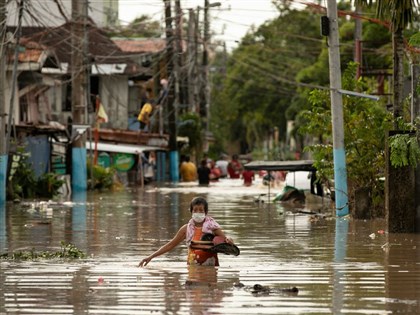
(198, 217)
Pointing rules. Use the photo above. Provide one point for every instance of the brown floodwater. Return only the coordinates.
(339, 266)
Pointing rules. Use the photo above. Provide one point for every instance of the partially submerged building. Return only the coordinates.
(39, 90)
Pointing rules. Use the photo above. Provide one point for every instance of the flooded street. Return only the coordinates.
(339, 266)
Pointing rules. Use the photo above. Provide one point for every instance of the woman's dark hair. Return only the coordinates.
(199, 201)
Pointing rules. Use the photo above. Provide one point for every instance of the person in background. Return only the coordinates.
(163, 92)
(149, 167)
(145, 115)
(248, 176)
(203, 173)
(234, 167)
(222, 165)
(215, 172)
(199, 224)
(208, 160)
(188, 170)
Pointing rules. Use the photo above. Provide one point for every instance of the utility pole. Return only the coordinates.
(204, 106)
(78, 93)
(3, 152)
(197, 69)
(340, 172)
(180, 94)
(173, 147)
(177, 52)
(191, 55)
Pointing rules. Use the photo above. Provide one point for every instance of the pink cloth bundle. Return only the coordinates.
(209, 225)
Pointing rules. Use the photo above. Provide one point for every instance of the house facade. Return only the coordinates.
(43, 77)
(40, 86)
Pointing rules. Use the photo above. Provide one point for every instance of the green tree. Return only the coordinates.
(189, 125)
(365, 122)
(400, 14)
(253, 95)
(142, 26)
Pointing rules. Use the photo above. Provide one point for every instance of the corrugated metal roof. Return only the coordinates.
(121, 148)
(299, 165)
(109, 68)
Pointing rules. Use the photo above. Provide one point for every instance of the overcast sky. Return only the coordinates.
(229, 22)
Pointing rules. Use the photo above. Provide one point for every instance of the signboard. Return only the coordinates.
(123, 162)
(104, 160)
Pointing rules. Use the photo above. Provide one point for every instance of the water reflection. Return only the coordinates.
(338, 266)
(340, 247)
(3, 232)
(79, 217)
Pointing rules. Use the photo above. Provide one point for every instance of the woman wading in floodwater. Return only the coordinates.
(199, 225)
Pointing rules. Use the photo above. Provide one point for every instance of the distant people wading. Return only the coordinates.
(222, 165)
(188, 170)
(235, 167)
(203, 173)
(248, 176)
(145, 115)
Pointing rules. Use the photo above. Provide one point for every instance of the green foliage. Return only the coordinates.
(23, 183)
(404, 146)
(103, 177)
(415, 40)
(142, 26)
(68, 251)
(405, 150)
(252, 96)
(365, 123)
(263, 85)
(48, 185)
(190, 126)
(399, 12)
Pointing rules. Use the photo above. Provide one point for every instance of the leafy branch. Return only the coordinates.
(405, 150)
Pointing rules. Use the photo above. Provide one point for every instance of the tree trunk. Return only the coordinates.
(363, 203)
(415, 119)
(399, 196)
(398, 73)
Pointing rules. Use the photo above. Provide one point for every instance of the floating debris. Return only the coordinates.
(258, 289)
(68, 251)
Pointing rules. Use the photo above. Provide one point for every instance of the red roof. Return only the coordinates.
(31, 52)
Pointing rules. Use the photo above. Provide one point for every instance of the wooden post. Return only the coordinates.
(399, 195)
(415, 117)
(3, 152)
(172, 110)
(192, 75)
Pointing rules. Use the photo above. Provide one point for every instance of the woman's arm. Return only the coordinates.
(178, 238)
(219, 232)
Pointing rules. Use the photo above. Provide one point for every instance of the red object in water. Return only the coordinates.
(381, 232)
(100, 280)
